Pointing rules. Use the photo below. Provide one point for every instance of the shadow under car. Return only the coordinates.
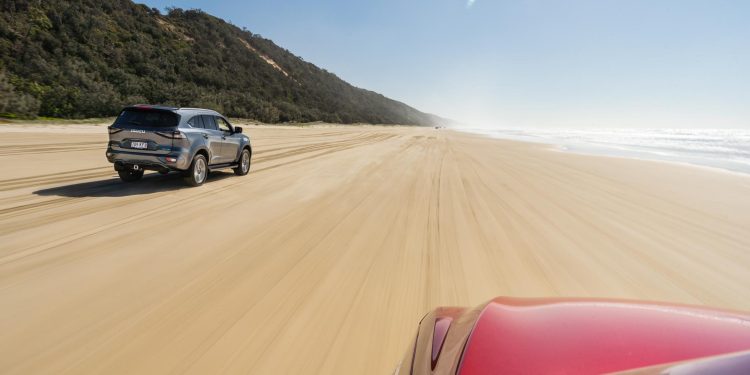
(114, 187)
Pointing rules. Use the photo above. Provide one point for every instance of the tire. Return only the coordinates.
(198, 172)
(244, 162)
(130, 176)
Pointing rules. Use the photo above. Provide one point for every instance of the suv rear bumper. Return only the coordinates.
(134, 166)
(126, 160)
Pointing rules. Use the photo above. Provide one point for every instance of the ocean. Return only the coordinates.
(727, 149)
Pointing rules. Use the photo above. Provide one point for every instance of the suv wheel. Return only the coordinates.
(130, 176)
(244, 166)
(198, 171)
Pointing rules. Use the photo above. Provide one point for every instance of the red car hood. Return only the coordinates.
(570, 336)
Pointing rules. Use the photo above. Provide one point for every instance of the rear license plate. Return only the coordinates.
(140, 145)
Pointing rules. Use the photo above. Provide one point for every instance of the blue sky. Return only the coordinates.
(525, 63)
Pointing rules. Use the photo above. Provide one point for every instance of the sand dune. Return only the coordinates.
(324, 258)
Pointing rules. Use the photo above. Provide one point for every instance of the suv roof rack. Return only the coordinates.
(151, 106)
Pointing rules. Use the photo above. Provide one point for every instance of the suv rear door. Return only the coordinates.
(144, 130)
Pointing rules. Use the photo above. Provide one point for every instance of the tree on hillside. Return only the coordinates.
(15, 104)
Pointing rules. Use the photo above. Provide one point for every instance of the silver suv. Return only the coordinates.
(192, 141)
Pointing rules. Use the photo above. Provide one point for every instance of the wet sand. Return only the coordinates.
(325, 257)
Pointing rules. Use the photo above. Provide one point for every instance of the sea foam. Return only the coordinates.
(727, 149)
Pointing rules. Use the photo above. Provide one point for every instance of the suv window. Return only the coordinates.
(209, 123)
(223, 125)
(196, 122)
(146, 118)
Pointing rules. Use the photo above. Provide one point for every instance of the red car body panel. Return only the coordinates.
(573, 336)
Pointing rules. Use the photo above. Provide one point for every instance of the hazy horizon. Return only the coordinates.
(577, 64)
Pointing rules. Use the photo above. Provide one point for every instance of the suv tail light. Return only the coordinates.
(172, 135)
(113, 130)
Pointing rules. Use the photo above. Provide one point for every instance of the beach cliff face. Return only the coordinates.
(325, 257)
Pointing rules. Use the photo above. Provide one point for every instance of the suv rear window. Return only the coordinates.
(146, 118)
(196, 122)
(209, 122)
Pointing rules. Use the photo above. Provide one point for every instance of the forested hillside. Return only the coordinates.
(89, 58)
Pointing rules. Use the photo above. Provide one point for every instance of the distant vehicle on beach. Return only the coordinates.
(191, 141)
(579, 336)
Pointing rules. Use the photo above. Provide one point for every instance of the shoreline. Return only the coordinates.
(607, 151)
(548, 145)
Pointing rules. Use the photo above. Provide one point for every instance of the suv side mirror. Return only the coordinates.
(237, 130)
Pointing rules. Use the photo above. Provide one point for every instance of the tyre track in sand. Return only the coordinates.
(88, 173)
(54, 178)
(12, 218)
(33, 149)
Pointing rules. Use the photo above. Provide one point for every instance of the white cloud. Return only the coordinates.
(469, 3)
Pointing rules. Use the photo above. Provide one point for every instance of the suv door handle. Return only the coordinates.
(205, 136)
(223, 137)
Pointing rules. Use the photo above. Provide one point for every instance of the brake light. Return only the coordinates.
(113, 130)
(172, 135)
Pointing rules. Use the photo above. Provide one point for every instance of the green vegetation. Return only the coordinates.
(89, 58)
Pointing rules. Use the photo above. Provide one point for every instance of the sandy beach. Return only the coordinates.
(325, 257)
